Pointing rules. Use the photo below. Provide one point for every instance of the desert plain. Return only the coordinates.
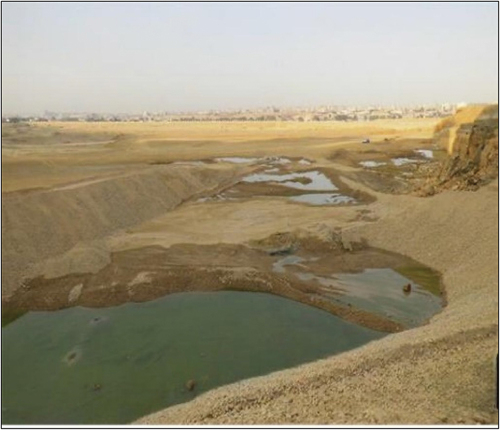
(101, 214)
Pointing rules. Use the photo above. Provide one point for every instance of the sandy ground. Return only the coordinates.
(77, 198)
(439, 373)
(54, 174)
(47, 154)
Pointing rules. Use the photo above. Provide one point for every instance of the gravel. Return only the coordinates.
(440, 373)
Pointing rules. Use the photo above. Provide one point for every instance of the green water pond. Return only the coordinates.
(378, 291)
(114, 365)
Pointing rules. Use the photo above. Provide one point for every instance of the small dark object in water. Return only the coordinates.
(97, 387)
(72, 356)
(281, 252)
(96, 320)
(190, 384)
(407, 288)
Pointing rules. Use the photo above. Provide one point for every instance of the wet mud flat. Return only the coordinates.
(387, 169)
(298, 183)
(295, 178)
(310, 277)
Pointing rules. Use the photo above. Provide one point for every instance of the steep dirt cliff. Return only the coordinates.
(471, 138)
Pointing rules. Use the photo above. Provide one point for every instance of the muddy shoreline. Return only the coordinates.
(144, 274)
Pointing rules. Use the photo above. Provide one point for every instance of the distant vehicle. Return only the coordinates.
(366, 141)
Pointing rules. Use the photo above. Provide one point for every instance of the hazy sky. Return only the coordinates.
(131, 57)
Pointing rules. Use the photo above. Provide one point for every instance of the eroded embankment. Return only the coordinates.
(471, 139)
(38, 225)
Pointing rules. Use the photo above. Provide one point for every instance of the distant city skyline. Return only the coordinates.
(48, 112)
(321, 113)
(156, 57)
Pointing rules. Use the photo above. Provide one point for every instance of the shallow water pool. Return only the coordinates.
(371, 163)
(403, 160)
(378, 291)
(322, 199)
(313, 181)
(237, 160)
(427, 153)
(113, 365)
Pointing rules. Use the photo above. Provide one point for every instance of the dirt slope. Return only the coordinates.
(439, 373)
(41, 224)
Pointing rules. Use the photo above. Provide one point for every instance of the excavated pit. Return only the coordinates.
(67, 294)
